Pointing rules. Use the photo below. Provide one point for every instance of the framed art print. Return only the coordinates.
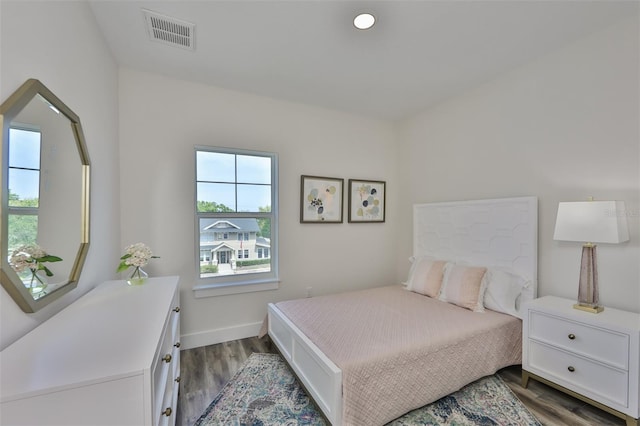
(321, 199)
(366, 200)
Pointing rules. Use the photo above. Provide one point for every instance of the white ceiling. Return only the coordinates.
(417, 54)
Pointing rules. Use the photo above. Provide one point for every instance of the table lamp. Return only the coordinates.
(590, 222)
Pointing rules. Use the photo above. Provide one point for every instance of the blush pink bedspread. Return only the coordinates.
(399, 350)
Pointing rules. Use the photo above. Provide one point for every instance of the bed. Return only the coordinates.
(367, 357)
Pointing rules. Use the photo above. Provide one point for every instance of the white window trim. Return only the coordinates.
(238, 284)
(239, 287)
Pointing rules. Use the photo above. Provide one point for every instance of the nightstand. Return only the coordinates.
(593, 357)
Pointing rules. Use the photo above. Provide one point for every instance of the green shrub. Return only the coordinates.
(208, 269)
(245, 263)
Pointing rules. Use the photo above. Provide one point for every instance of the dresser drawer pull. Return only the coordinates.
(167, 412)
(176, 309)
(167, 358)
(571, 368)
(178, 379)
(177, 344)
(572, 336)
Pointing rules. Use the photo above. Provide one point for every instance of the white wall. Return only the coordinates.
(161, 120)
(59, 44)
(562, 128)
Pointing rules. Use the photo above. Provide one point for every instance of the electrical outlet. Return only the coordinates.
(309, 291)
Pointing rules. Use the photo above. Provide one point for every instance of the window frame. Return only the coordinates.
(33, 129)
(17, 211)
(241, 283)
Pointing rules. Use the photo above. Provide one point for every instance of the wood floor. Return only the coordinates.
(205, 370)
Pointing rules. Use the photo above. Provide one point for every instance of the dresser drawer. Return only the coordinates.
(167, 411)
(161, 373)
(599, 344)
(166, 365)
(590, 378)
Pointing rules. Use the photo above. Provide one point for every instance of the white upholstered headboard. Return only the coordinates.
(500, 232)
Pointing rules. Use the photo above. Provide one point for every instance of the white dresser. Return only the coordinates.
(110, 358)
(594, 357)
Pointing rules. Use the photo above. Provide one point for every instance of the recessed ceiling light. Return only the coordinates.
(364, 21)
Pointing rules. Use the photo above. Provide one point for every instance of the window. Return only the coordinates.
(263, 252)
(205, 256)
(236, 201)
(24, 185)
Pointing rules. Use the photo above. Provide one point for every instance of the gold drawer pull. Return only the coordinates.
(571, 368)
(176, 309)
(167, 358)
(167, 412)
(178, 379)
(177, 344)
(572, 336)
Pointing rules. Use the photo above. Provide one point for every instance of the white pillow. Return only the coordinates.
(503, 291)
(425, 276)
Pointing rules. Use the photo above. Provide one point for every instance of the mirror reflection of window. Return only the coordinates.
(24, 166)
(24, 185)
(47, 191)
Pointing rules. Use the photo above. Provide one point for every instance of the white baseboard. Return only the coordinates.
(211, 337)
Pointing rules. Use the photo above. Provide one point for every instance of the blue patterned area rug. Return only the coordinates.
(264, 392)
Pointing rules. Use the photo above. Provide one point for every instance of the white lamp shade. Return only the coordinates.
(592, 222)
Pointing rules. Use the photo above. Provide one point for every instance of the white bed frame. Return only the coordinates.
(498, 232)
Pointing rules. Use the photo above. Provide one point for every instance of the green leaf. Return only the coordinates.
(50, 258)
(122, 266)
(47, 271)
(126, 256)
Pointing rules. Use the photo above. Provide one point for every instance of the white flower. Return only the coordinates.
(32, 257)
(136, 255)
(26, 256)
(140, 254)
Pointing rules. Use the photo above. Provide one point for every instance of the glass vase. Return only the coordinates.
(37, 284)
(138, 277)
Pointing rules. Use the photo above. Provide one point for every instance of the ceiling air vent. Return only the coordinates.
(168, 30)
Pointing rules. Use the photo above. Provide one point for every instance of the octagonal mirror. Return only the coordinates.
(44, 235)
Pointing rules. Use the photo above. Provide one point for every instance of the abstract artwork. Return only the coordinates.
(321, 199)
(366, 200)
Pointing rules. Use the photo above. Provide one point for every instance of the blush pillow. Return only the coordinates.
(425, 276)
(463, 286)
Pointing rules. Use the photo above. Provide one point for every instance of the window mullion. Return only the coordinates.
(235, 181)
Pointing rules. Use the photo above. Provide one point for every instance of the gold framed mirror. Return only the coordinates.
(44, 234)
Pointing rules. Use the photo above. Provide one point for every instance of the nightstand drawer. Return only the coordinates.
(599, 344)
(587, 377)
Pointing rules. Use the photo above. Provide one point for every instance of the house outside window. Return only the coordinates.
(236, 217)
